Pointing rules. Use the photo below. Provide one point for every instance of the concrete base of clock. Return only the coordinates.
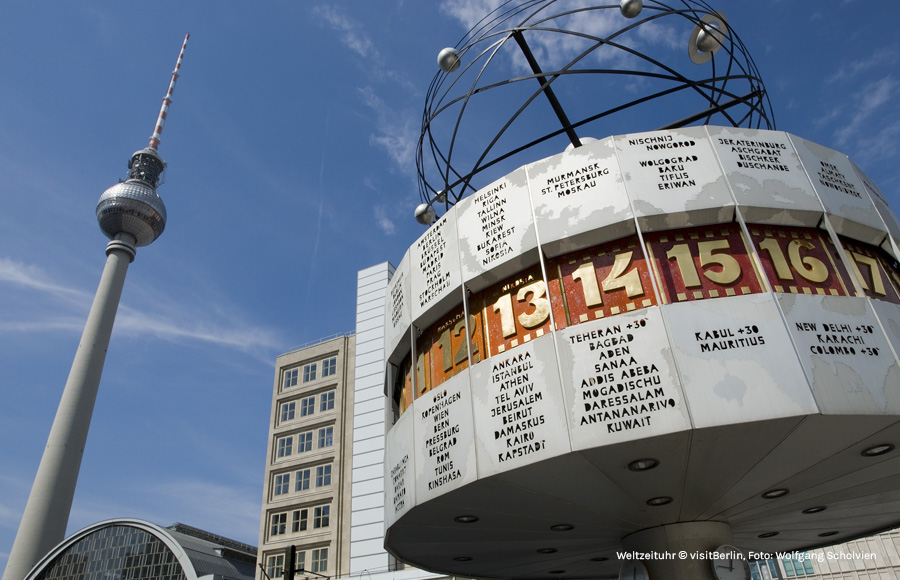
(682, 551)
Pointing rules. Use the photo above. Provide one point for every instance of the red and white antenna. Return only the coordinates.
(154, 139)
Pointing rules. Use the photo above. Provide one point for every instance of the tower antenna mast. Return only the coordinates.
(131, 215)
(167, 100)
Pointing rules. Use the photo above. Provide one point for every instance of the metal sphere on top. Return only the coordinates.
(425, 214)
(537, 73)
(448, 59)
(133, 207)
(631, 8)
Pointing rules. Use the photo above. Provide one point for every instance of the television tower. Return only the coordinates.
(131, 215)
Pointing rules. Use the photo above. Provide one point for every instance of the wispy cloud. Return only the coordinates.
(867, 102)
(352, 33)
(469, 12)
(383, 221)
(354, 37)
(880, 58)
(879, 146)
(169, 321)
(33, 278)
(397, 132)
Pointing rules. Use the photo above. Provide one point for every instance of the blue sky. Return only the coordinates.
(290, 146)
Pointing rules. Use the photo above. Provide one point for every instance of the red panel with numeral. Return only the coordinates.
(448, 354)
(598, 282)
(423, 379)
(798, 260)
(875, 269)
(406, 390)
(515, 310)
(704, 262)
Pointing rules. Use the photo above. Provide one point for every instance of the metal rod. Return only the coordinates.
(546, 89)
(712, 110)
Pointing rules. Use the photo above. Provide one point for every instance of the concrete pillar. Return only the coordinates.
(681, 551)
(46, 515)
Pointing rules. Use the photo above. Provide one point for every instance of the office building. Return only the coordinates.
(870, 558)
(306, 494)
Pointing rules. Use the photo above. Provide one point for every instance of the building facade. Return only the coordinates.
(367, 551)
(875, 557)
(138, 550)
(306, 495)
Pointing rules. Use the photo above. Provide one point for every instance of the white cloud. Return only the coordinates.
(352, 34)
(33, 278)
(880, 58)
(469, 12)
(384, 222)
(354, 37)
(166, 320)
(882, 145)
(866, 102)
(397, 132)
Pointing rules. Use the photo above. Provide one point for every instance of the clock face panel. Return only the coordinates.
(730, 564)
(633, 570)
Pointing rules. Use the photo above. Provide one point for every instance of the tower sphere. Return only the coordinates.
(133, 207)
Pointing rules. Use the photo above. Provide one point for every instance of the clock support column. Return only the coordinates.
(683, 552)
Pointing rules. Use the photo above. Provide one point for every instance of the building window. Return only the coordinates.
(282, 483)
(329, 366)
(320, 518)
(279, 523)
(285, 446)
(326, 401)
(326, 436)
(302, 480)
(764, 570)
(797, 565)
(300, 561)
(298, 520)
(320, 560)
(307, 406)
(304, 441)
(309, 372)
(323, 475)
(290, 378)
(275, 566)
(287, 411)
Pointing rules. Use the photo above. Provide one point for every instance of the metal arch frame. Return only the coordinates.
(160, 533)
(713, 88)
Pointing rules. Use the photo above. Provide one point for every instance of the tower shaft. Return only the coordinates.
(46, 515)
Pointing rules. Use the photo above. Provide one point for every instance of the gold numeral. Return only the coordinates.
(874, 273)
(617, 279)
(589, 287)
(731, 268)
(810, 268)
(538, 302)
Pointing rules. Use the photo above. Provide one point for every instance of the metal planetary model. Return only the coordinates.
(131, 215)
(657, 354)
